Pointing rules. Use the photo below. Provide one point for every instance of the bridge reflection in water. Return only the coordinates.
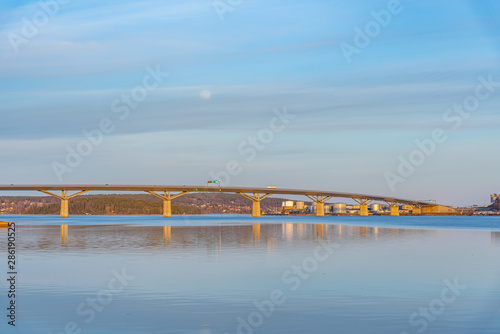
(64, 235)
(215, 237)
(256, 232)
(167, 232)
(273, 234)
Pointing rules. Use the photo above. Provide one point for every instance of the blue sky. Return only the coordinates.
(352, 119)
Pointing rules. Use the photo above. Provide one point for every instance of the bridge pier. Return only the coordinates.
(64, 208)
(363, 206)
(64, 200)
(167, 200)
(320, 203)
(167, 208)
(256, 209)
(256, 198)
(394, 208)
(320, 209)
(417, 210)
(318, 197)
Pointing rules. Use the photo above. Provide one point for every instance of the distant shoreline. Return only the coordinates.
(277, 215)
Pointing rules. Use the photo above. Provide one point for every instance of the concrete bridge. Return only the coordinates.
(256, 195)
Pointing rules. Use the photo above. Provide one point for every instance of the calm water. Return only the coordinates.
(235, 274)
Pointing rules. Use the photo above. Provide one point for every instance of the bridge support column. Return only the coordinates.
(167, 198)
(363, 205)
(64, 208)
(394, 208)
(256, 209)
(417, 210)
(320, 209)
(256, 198)
(320, 203)
(64, 200)
(167, 208)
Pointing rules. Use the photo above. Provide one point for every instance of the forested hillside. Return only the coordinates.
(109, 205)
(133, 204)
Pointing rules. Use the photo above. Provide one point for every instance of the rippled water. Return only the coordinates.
(234, 274)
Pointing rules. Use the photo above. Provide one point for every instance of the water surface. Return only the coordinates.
(230, 274)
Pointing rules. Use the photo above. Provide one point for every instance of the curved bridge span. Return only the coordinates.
(168, 192)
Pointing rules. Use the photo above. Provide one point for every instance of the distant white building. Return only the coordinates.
(339, 208)
(375, 207)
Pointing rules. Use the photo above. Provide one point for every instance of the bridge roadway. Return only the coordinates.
(256, 195)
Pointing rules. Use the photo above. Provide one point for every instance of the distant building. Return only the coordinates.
(292, 207)
(494, 197)
(375, 207)
(339, 208)
(495, 202)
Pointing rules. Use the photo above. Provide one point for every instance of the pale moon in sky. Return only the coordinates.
(205, 94)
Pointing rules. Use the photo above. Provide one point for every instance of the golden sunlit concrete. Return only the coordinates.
(394, 205)
(320, 203)
(363, 205)
(440, 209)
(395, 210)
(64, 200)
(320, 209)
(64, 208)
(319, 197)
(167, 200)
(255, 198)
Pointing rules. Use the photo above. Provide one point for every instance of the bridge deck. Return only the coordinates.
(280, 191)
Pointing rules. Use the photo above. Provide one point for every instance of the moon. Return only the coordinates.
(205, 94)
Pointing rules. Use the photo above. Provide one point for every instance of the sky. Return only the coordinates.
(376, 97)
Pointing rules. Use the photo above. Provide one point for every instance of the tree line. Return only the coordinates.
(106, 205)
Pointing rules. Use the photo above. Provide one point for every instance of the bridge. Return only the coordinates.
(256, 195)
